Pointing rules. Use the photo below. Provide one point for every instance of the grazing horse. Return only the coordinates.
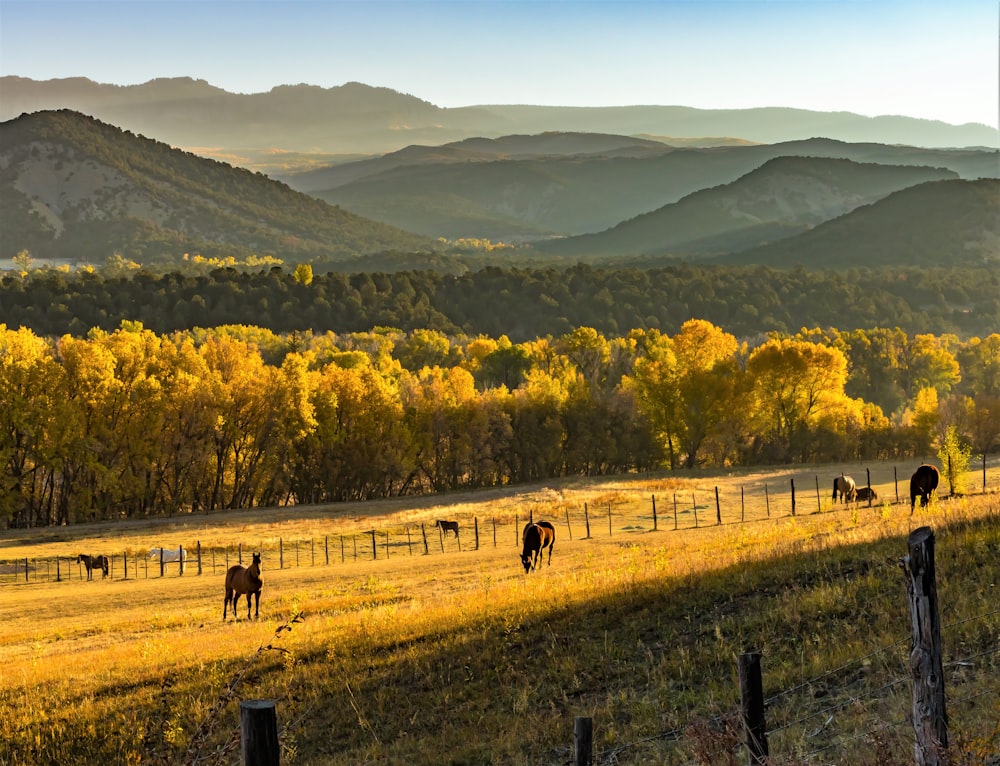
(92, 563)
(845, 487)
(924, 481)
(447, 526)
(243, 581)
(536, 538)
(864, 494)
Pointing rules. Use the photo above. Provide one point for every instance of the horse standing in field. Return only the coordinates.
(447, 526)
(864, 494)
(92, 563)
(845, 487)
(923, 482)
(243, 581)
(536, 538)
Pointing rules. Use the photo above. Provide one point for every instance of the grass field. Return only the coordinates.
(459, 657)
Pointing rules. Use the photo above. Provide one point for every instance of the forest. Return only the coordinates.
(466, 296)
(132, 422)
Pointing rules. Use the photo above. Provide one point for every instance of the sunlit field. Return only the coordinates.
(457, 656)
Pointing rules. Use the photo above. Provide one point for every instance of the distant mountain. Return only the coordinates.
(501, 189)
(75, 188)
(360, 119)
(941, 223)
(783, 197)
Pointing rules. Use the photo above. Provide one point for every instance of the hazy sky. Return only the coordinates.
(937, 60)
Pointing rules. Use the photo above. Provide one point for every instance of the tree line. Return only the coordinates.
(521, 302)
(137, 423)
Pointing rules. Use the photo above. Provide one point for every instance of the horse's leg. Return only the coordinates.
(256, 606)
(229, 595)
(551, 546)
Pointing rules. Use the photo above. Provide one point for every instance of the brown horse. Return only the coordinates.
(92, 563)
(447, 526)
(924, 481)
(536, 538)
(243, 580)
(864, 494)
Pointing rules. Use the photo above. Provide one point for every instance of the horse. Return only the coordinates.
(243, 581)
(864, 494)
(92, 563)
(845, 487)
(169, 556)
(536, 538)
(447, 526)
(924, 481)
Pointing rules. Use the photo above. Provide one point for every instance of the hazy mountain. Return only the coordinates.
(941, 223)
(357, 118)
(781, 198)
(504, 191)
(75, 188)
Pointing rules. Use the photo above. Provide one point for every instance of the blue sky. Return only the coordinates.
(935, 60)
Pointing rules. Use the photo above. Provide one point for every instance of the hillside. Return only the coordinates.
(452, 192)
(358, 118)
(75, 188)
(946, 222)
(781, 198)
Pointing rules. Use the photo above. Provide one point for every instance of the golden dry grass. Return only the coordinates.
(461, 658)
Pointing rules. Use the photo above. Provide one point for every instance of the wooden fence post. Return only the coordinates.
(819, 507)
(326, 548)
(239, 548)
(180, 559)
(895, 481)
(424, 533)
(930, 722)
(610, 534)
(675, 511)
(654, 512)
(476, 522)
(752, 707)
(494, 531)
(767, 501)
(583, 741)
(161, 560)
(281, 554)
(868, 473)
(568, 527)
(517, 524)
(387, 543)
(259, 733)
(718, 508)
(374, 550)
(409, 541)
(793, 495)
(586, 518)
(199, 558)
(694, 506)
(743, 506)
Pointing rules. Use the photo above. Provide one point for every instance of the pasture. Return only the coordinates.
(462, 658)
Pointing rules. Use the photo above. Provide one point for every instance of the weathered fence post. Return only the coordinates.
(610, 534)
(868, 473)
(199, 559)
(312, 550)
(743, 506)
(374, 549)
(767, 501)
(930, 721)
(494, 531)
(59, 577)
(180, 559)
(675, 511)
(326, 548)
(568, 527)
(476, 522)
(583, 741)
(161, 561)
(387, 544)
(281, 554)
(441, 537)
(586, 518)
(517, 525)
(409, 541)
(793, 495)
(239, 550)
(654, 512)
(694, 506)
(424, 533)
(259, 733)
(819, 506)
(895, 481)
(718, 508)
(752, 707)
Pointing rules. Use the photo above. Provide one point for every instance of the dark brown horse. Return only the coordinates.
(92, 563)
(536, 538)
(864, 494)
(447, 526)
(845, 487)
(243, 581)
(923, 482)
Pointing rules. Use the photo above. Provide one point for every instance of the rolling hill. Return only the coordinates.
(75, 188)
(360, 119)
(781, 198)
(940, 223)
(450, 192)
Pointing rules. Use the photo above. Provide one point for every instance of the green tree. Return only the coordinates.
(954, 455)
